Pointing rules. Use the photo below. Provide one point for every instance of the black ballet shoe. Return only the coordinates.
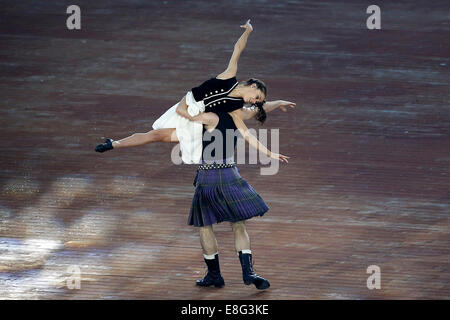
(107, 145)
(248, 275)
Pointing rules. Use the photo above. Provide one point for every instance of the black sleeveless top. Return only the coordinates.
(214, 94)
(219, 145)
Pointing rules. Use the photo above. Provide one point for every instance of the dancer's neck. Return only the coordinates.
(237, 92)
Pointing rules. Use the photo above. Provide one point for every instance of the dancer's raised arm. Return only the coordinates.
(239, 46)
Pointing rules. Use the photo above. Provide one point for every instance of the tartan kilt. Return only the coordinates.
(223, 195)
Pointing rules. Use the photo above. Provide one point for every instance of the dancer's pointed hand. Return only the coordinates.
(279, 157)
(247, 26)
(284, 104)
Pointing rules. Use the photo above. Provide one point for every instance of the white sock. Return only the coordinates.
(210, 256)
(245, 251)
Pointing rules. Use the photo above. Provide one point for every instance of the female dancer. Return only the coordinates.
(221, 94)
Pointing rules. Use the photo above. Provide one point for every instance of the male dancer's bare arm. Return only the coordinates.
(209, 119)
(182, 109)
(252, 140)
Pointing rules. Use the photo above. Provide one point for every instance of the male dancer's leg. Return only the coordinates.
(211, 257)
(241, 238)
(208, 241)
(242, 245)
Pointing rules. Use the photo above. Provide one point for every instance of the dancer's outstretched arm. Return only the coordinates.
(268, 107)
(239, 46)
(252, 140)
(282, 104)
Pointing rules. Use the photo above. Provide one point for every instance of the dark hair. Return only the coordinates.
(259, 84)
(261, 115)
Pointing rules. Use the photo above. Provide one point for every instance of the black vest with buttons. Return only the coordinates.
(214, 94)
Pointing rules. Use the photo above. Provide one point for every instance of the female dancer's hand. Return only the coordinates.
(283, 104)
(279, 157)
(247, 26)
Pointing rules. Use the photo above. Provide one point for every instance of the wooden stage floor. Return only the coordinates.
(367, 182)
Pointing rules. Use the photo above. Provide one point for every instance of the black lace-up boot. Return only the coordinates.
(248, 275)
(213, 277)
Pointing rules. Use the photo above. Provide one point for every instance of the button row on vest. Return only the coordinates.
(221, 90)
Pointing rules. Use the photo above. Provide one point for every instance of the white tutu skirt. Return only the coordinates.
(189, 133)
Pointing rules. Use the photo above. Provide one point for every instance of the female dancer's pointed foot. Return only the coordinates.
(107, 145)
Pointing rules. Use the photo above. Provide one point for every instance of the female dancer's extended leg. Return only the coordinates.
(138, 139)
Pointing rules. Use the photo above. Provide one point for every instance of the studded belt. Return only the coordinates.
(216, 166)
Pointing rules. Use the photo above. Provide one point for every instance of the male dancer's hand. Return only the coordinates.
(107, 145)
(279, 157)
